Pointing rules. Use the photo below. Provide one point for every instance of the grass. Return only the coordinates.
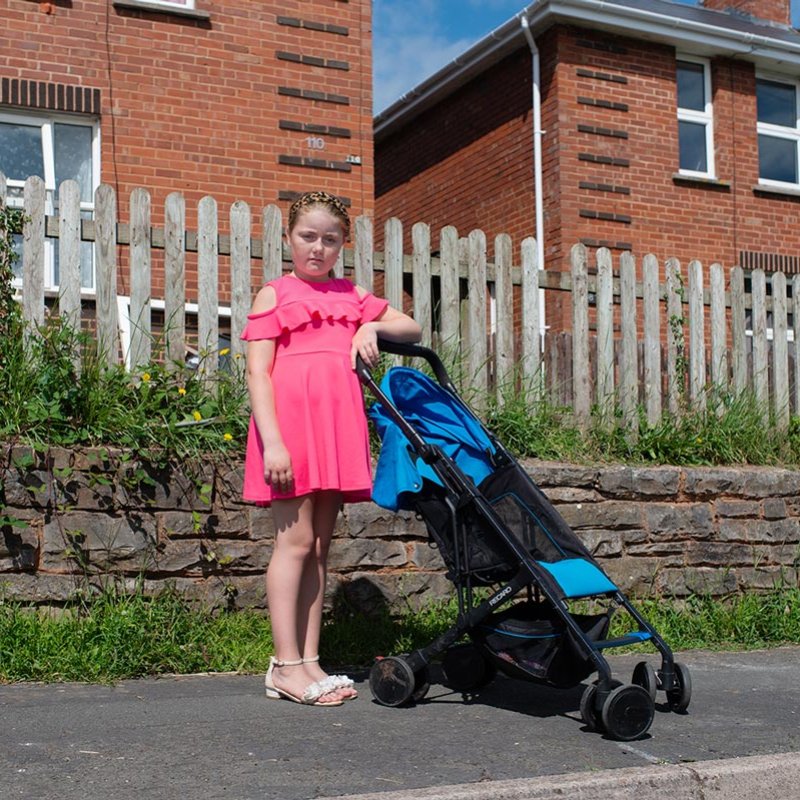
(115, 636)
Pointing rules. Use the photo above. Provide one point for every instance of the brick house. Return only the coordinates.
(230, 98)
(648, 125)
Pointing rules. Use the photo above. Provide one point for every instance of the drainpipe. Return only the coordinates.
(537, 160)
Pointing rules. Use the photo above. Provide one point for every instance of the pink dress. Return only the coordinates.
(318, 398)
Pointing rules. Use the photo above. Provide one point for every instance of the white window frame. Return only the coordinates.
(704, 117)
(47, 122)
(781, 131)
(189, 4)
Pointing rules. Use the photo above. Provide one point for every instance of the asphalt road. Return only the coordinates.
(216, 736)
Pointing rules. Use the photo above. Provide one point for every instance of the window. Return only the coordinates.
(182, 3)
(695, 118)
(56, 148)
(778, 131)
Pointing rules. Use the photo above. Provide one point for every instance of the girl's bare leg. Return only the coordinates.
(290, 594)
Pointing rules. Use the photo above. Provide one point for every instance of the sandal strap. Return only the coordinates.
(310, 660)
(277, 663)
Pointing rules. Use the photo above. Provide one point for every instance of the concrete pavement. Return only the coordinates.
(217, 737)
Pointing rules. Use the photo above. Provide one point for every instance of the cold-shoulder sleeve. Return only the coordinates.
(371, 307)
(265, 325)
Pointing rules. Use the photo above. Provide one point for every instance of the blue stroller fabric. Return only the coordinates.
(441, 420)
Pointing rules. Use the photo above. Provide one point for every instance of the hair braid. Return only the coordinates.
(329, 202)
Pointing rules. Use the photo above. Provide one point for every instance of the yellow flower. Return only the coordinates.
(224, 351)
(227, 437)
(238, 355)
(181, 391)
(145, 376)
(197, 415)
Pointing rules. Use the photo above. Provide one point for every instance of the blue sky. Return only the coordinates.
(414, 38)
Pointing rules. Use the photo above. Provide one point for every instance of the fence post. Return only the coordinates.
(504, 315)
(531, 324)
(272, 243)
(629, 369)
(363, 254)
(652, 339)
(207, 287)
(139, 314)
(605, 334)
(105, 249)
(33, 255)
(69, 256)
(581, 380)
(738, 331)
(796, 343)
(241, 224)
(676, 345)
(780, 352)
(760, 367)
(421, 279)
(175, 278)
(450, 325)
(719, 349)
(477, 350)
(393, 266)
(697, 343)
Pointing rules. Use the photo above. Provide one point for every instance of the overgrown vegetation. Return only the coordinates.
(116, 636)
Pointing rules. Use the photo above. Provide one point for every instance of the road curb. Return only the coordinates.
(774, 776)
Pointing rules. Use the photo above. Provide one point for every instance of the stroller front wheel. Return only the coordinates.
(628, 713)
(392, 681)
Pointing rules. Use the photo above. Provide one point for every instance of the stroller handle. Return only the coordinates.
(418, 351)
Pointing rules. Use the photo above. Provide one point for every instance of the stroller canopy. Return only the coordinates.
(441, 420)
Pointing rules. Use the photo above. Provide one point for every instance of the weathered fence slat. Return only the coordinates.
(175, 278)
(581, 378)
(780, 352)
(477, 346)
(139, 314)
(675, 336)
(241, 221)
(421, 279)
(34, 198)
(272, 251)
(504, 318)
(450, 309)
(605, 334)
(738, 331)
(697, 345)
(531, 355)
(105, 250)
(629, 369)
(362, 255)
(207, 287)
(760, 366)
(652, 340)
(719, 349)
(69, 254)
(796, 342)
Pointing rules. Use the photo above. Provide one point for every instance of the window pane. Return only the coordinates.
(777, 159)
(691, 86)
(777, 103)
(21, 151)
(692, 141)
(73, 156)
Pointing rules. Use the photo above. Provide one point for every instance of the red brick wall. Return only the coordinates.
(774, 10)
(609, 116)
(194, 105)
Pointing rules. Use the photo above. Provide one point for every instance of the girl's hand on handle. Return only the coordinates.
(278, 466)
(365, 344)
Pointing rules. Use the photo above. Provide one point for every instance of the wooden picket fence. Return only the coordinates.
(657, 342)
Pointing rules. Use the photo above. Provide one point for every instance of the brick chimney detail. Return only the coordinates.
(770, 10)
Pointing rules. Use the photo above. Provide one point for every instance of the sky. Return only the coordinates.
(412, 39)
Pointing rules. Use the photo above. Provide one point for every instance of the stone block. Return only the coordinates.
(210, 556)
(353, 554)
(718, 554)
(19, 548)
(766, 578)
(672, 554)
(759, 530)
(775, 508)
(687, 581)
(425, 556)
(219, 522)
(545, 473)
(634, 576)
(738, 508)
(370, 520)
(370, 592)
(635, 482)
(610, 514)
(104, 541)
(40, 589)
(669, 520)
(570, 494)
(602, 544)
(755, 482)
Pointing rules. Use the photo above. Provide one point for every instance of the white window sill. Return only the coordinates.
(157, 8)
(705, 180)
(768, 188)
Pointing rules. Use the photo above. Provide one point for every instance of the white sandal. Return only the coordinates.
(336, 682)
(311, 694)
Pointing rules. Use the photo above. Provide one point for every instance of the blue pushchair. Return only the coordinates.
(517, 567)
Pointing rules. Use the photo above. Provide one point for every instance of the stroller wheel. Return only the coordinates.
(465, 668)
(627, 713)
(422, 682)
(679, 697)
(391, 681)
(590, 711)
(645, 676)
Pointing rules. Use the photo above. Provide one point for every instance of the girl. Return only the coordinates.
(308, 448)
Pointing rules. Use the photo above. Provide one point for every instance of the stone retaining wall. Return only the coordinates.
(69, 517)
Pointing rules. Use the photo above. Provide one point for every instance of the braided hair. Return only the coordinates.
(325, 200)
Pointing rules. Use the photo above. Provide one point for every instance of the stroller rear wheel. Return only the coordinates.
(392, 681)
(645, 676)
(679, 697)
(590, 710)
(466, 668)
(628, 712)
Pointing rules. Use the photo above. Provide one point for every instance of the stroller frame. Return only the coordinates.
(624, 712)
